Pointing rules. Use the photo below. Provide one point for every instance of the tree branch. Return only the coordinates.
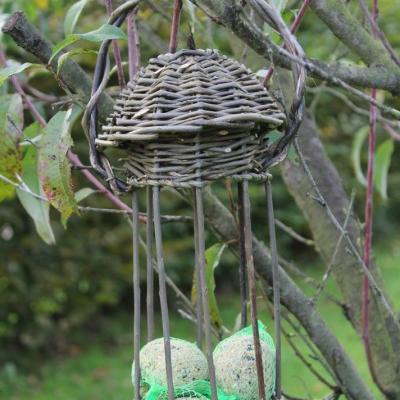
(384, 332)
(227, 13)
(223, 224)
(336, 15)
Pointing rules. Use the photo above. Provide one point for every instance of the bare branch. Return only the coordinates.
(331, 264)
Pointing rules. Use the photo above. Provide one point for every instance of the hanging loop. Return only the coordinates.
(296, 111)
(89, 121)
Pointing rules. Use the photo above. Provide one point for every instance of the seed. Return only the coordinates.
(235, 366)
(188, 363)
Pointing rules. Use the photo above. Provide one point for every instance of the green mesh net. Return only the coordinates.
(235, 365)
(234, 361)
(195, 390)
(189, 370)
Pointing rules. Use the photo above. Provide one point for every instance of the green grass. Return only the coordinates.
(100, 370)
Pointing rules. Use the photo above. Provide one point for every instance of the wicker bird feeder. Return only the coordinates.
(191, 118)
(186, 120)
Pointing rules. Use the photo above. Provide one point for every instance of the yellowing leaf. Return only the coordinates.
(54, 167)
(11, 123)
(37, 209)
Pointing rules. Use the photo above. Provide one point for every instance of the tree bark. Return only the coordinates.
(384, 335)
(223, 224)
(382, 74)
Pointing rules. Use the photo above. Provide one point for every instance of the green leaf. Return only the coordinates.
(273, 136)
(5, 73)
(82, 194)
(72, 16)
(65, 56)
(105, 32)
(383, 157)
(292, 155)
(11, 123)
(37, 209)
(356, 151)
(213, 256)
(191, 10)
(70, 39)
(54, 167)
(31, 134)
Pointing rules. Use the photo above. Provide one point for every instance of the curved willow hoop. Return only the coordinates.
(279, 150)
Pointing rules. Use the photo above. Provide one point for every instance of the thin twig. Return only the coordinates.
(116, 51)
(291, 268)
(293, 28)
(321, 200)
(377, 32)
(303, 359)
(314, 353)
(22, 186)
(393, 134)
(176, 15)
(351, 105)
(331, 264)
(164, 218)
(291, 232)
(311, 67)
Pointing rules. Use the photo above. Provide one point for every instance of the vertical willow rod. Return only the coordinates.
(136, 292)
(242, 265)
(163, 291)
(251, 273)
(276, 288)
(200, 324)
(199, 215)
(149, 265)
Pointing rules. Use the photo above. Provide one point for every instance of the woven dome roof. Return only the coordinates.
(187, 92)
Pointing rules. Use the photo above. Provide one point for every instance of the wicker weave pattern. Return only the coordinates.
(192, 116)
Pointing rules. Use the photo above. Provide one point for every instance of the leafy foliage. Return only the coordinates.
(11, 125)
(5, 73)
(72, 16)
(54, 166)
(213, 257)
(105, 32)
(37, 209)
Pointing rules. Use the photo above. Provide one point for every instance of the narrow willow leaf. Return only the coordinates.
(70, 39)
(65, 56)
(72, 16)
(383, 158)
(37, 209)
(5, 73)
(356, 152)
(82, 194)
(191, 9)
(105, 32)
(54, 167)
(11, 123)
(213, 256)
